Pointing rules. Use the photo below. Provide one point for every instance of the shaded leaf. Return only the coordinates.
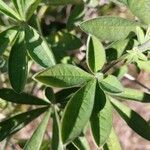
(95, 54)
(37, 48)
(101, 119)
(56, 136)
(7, 37)
(109, 28)
(34, 143)
(15, 123)
(22, 98)
(18, 64)
(78, 112)
(60, 45)
(76, 16)
(63, 75)
(81, 143)
(116, 49)
(133, 119)
(111, 84)
(49, 93)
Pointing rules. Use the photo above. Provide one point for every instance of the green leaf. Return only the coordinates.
(60, 45)
(36, 140)
(144, 65)
(14, 124)
(111, 84)
(129, 94)
(101, 119)
(63, 2)
(95, 54)
(140, 35)
(7, 37)
(116, 49)
(112, 142)
(26, 8)
(63, 75)
(140, 8)
(19, 5)
(30, 7)
(6, 10)
(133, 119)
(49, 93)
(78, 112)
(76, 16)
(109, 28)
(38, 49)
(81, 143)
(23, 98)
(56, 136)
(18, 64)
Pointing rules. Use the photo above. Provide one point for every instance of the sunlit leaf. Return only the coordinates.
(34, 143)
(6, 10)
(109, 28)
(95, 54)
(111, 84)
(78, 112)
(129, 94)
(133, 119)
(112, 142)
(63, 75)
(140, 8)
(37, 48)
(14, 124)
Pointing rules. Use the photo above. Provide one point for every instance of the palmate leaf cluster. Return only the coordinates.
(89, 93)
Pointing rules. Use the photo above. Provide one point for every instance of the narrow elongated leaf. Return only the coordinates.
(63, 75)
(36, 140)
(109, 28)
(81, 143)
(111, 84)
(112, 142)
(6, 10)
(76, 16)
(19, 5)
(23, 98)
(140, 8)
(133, 119)
(38, 48)
(101, 119)
(7, 37)
(14, 124)
(95, 54)
(56, 137)
(78, 112)
(18, 64)
(129, 94)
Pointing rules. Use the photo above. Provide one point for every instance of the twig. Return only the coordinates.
(131, 78)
